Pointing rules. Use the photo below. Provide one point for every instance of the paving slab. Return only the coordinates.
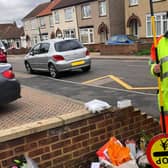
(36, 105)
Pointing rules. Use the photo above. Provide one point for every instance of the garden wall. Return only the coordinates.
(71, 140)
(129, 49)
(126, 49)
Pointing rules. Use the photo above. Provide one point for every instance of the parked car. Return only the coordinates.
(3, 47)
(3, 53)
(58, 55)
(9, 86)
(3, 56)
(121, 39)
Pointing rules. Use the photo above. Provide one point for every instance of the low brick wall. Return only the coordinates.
(94, 47)
(15, 51)
(120, 49)
(71, 140)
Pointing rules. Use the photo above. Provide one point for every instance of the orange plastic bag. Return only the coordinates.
(117, 153)
(102, 152)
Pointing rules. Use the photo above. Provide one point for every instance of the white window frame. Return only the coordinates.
(133, 2)
(44, 37)
(34, 40)
(160, 24)
(51, 21)
(102, 8)
(26, 25)
(42, 22)
(86, 11)
(33, 24)
(56, 16)
(68, 14)
(87, 32)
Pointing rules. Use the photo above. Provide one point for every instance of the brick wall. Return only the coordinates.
(15, 51)
(119, 49)
(73, 143)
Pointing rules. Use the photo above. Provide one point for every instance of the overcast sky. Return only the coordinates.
(11, 10)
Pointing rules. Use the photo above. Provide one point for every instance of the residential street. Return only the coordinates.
(58, 56)
(88, 86)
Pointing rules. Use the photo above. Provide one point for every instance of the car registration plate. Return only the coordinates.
(77, 63)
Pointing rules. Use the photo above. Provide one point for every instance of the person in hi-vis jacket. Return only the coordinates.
(161, 69)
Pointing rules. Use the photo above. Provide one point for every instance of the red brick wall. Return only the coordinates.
(119, 49)
(74, 144)
(15, 51)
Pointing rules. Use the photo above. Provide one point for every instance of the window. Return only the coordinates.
(36, 49)
(26, 26)
(67, 45)
(161, 23)
(56, 14)
(86, 35)
(44, 36)
(33, 24)
(51, 20)
(102, 8)
(69, 33)
(68, 14)
(86, 11)
(44, 48)
(156, 0)
(133, 2)
(42, 22)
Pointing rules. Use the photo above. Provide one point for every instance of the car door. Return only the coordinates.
(43, 56)
(33, 56)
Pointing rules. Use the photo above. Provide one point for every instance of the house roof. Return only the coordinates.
(10, 31)
(36, 10)
(47, 10)
(68, 3)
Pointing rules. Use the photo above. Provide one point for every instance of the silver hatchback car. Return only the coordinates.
(58, 55)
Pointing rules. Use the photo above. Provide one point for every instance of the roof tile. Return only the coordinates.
(47, 10)
(68, 3)
(36, 10)
(10, 31)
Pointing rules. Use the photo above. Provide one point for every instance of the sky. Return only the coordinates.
(14, 10)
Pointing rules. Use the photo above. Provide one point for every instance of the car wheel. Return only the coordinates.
(85, 69)
(28, 68)
(53, 72)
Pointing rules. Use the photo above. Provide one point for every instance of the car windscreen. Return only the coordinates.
(1, 45)
(67, 45)
(114, 38)
(122, 39)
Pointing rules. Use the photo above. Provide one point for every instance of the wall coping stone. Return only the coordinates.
(43, 125)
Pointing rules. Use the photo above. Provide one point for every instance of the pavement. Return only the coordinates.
(36, 105)
(97, 55)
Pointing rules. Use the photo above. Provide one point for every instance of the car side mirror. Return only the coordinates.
(31, 53)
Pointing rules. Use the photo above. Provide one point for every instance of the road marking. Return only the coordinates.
(94, 80)
(144, 88)
(103, 87)
(120, 82)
